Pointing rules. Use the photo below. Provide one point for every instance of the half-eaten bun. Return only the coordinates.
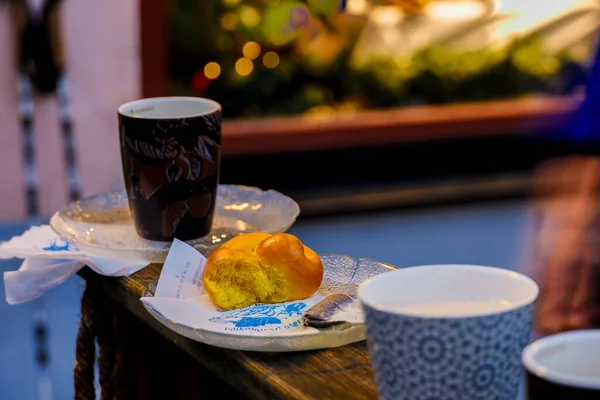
(261, 268)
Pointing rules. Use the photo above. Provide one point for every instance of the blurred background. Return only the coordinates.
(409, 131)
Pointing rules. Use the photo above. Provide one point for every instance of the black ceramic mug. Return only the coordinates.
(170, 149)
(565, 366)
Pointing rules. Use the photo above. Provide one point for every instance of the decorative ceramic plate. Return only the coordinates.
(269, 327)
(102, 225)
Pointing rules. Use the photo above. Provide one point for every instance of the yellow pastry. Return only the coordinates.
(261, 268)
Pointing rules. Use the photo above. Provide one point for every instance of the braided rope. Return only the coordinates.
(120, 374)
(103, 322)
(106, 350)
(85, 353)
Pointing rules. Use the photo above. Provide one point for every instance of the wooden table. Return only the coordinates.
(139, 358)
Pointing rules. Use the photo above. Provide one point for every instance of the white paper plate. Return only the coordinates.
(269, 327)
(102, 225)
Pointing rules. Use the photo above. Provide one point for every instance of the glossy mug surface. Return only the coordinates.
(564, 366)
(449, 332)
(170, 149)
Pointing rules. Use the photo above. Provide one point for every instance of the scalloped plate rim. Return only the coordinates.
(57, 216)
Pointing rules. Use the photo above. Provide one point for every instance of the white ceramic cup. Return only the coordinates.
(564, 366)
(448, 331)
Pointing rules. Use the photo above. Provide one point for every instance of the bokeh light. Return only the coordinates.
(277, 25)
(212, 70)
(229, 21)
(356, 7)
(251, 50)
(324, 6)
(270, 59)
(321, 113)
(244, 66)
(347, 108)
(250, 16)
(299, 16)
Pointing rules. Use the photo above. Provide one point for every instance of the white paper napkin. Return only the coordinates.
(180, 298)
(49, 261)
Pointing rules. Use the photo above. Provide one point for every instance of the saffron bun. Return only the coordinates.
(261, 268)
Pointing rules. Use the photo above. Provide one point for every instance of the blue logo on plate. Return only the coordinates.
(260, 315)
(59, 245)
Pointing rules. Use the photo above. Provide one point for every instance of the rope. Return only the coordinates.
(98, 321)
(85, 353)
(106, 350)
(121, 370)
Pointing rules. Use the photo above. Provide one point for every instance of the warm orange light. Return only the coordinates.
(250, 16)
(251, 50)
(212, 70)
(271, 59)
(323, 113)
(229, 21)
(244, 67)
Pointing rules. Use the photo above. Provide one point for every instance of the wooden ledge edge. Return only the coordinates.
(393, 126)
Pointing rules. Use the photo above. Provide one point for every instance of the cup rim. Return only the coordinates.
(494, 270)
(537, 369)
(140, 102)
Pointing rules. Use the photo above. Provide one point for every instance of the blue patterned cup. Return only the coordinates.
(448, 332)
